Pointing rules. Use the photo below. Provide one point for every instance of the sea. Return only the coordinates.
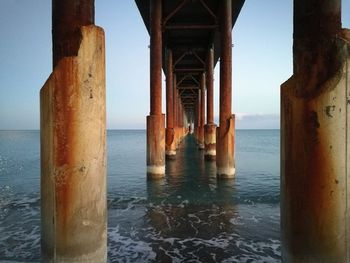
(189, 216)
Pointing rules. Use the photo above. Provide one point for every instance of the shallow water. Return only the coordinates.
(189, 216)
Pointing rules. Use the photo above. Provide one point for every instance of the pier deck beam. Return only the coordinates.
(156, 120)
(170, 138)
(210, 127)
(73, 139)
(315, 126)
(225, 132)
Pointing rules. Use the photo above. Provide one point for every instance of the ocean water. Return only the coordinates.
(189, 216)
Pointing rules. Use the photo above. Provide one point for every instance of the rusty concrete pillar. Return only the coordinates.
(170, 145)
(175, 92)
(210, 127)
(210, 86)
(315, 125)
(156, 120)
(198, 115)
(176, 110)
(181, 120)
(225, 159)
(194, 117)
(73, 139)
(180, 112)
(178, 118)
(201, 113)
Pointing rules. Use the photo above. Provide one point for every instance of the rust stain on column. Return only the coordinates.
(314, 138)
(225, 133)
(156, 120)
(210, 127)
(73, 155)
(170, 146)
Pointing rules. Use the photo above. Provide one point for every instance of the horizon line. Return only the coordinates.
(132, 129)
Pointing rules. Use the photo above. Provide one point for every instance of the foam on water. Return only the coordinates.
(176, 231)
(20, 229)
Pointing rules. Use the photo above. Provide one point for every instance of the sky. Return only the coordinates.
(262, 61)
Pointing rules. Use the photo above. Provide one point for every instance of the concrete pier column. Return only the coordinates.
(225, 159)
(210, 127)
(170, 145)
(175, 110)
(156, 120)
(315, 125)
(201, 113)
(198, 116)
(73, 139)
(181, 120)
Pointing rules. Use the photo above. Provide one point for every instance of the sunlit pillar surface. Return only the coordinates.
(225, 159)
(73, 139)
(315, 144)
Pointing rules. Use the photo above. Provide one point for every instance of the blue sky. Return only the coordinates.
(262, 60)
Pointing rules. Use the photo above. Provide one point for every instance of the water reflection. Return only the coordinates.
(190, 211)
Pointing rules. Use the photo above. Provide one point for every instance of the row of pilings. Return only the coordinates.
(314, 133)
(219, 146)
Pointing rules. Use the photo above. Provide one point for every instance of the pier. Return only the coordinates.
(187, 40)
(190, 37)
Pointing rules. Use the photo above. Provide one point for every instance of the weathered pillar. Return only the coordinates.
(210, 127)
(198, 115)
(156, 120)
(315, 127)
(201, 113)
(175, 111)
(225, 133)
(73, 139)
(178, 112)
(181, 120)
(170, 146)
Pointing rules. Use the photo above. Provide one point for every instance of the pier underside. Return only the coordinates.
(187, 39)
